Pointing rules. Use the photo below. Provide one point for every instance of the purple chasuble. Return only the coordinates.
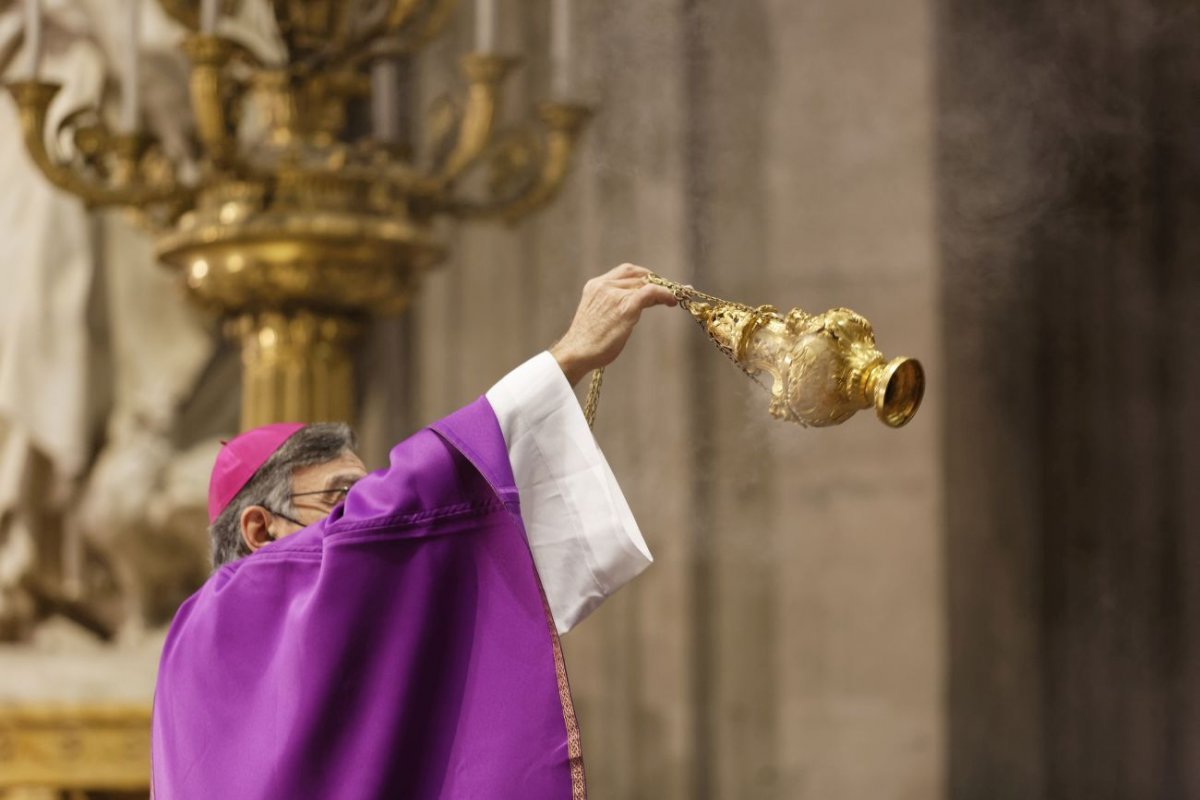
(400, 648)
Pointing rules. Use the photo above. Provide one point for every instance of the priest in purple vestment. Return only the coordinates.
(395, 634)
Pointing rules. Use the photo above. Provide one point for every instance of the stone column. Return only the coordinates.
(1069, 218)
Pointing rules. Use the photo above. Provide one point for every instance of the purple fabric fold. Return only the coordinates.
(400, 648)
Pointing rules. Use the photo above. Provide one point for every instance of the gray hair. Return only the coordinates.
(271, 485)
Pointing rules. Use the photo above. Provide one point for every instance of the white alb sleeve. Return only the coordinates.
(583, 537)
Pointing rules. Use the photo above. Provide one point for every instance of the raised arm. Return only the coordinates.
(582, 534)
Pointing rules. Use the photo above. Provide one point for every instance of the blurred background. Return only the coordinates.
(995, 601)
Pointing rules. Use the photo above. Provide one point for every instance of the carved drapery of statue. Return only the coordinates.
(95, 379)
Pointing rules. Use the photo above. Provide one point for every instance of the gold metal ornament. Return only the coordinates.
(295, 227)
(823, 367)
(74, 749)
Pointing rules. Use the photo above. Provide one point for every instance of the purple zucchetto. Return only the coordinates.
(240, 458)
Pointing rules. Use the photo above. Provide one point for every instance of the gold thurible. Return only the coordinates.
(823, 367)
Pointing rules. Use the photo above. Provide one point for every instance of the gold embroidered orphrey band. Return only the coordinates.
(574, 741)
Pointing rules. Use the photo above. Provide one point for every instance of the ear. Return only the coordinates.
(255, 533)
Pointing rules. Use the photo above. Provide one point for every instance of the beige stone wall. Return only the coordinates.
(788, 642)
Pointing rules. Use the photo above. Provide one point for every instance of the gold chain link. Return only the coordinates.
(593, 397)
(686, 296)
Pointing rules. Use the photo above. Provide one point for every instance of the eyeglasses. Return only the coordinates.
(336, 496)
(281, 515)
(333, 496)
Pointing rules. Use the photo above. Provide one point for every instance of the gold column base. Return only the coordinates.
(89, 747)
(296, 367)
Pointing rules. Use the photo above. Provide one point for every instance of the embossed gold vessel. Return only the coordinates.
(824, 367)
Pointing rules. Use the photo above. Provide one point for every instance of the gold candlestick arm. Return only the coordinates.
(108, 169)
(565, 122)
(400, 13)
(486, 73)
(424, 23)
(210, 96)
(413, 22)
(403, 24)
(514, 162)
(187, 12)
(322, 33)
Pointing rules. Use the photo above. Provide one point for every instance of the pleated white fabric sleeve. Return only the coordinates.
(584, 540)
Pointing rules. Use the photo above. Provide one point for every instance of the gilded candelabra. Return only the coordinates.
(295, 227)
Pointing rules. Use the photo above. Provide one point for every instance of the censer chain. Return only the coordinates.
(593, 397)
(686, 297)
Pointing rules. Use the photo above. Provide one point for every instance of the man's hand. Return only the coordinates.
(611, 305)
